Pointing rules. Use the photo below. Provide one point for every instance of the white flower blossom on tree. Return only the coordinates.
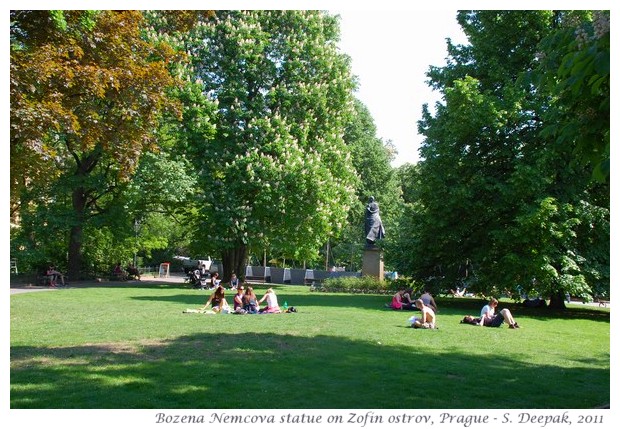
(283, 93)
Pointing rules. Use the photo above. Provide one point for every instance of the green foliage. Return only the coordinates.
(406, 283)
(162, 184)
(103, 249)
(367, 284)
(86, 95)
(574, 70)
(277, 174)
(58, 18)
(493, 185)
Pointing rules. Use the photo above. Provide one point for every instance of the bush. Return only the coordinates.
(407, 283)
(352, 285)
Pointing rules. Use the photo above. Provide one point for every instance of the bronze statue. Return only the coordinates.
(374, 226)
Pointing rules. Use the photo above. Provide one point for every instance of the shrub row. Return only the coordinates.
(366, 284)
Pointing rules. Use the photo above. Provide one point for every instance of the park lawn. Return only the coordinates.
(131, 346)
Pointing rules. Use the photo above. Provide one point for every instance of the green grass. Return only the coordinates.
(132, 347)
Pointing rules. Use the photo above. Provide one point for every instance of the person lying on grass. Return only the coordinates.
(489, 318)
(471, 320)
(428, 319)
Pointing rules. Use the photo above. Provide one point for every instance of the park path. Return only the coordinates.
(26, 288)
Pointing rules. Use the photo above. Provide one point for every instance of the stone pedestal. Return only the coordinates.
(372, 263)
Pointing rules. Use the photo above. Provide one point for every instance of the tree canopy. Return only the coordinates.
(238, 132)
(494, 185)
(87, 92)
(278, 172)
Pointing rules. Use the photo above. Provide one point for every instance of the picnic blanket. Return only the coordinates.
(193, 310)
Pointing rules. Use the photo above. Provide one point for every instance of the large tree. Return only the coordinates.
(87, 91)
(574, 70)
(492, 186)
(278, 173)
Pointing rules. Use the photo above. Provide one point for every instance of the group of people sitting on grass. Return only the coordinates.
(245, 301)
(402, 300)
(426, 304)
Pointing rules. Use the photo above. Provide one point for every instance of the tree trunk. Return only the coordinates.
(234, 261)
(556, 301)
(75, 235)
(79, 199)
(75, 253)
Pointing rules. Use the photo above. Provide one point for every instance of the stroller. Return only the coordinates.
(196, 280)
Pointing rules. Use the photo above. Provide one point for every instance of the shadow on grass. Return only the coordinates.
(121, 285)
(281, 371)
(474, 305)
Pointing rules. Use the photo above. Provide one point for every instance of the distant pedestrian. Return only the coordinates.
(215, 281)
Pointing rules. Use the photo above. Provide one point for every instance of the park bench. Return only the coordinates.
(45, 280)
(121, 277)
(254, 279)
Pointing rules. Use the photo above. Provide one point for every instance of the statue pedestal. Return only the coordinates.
(372, 263)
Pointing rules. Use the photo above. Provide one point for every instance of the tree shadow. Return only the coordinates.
(268, 371)
(128, 285)
(474, 305)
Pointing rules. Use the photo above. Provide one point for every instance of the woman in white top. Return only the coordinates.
(272, 302)
(489, 318)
